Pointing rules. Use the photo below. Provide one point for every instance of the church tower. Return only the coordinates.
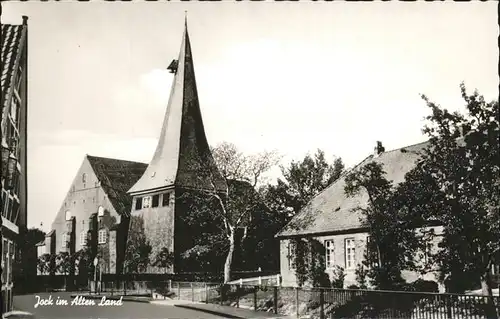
(181, 164)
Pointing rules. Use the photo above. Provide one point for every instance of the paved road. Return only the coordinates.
(129, 310)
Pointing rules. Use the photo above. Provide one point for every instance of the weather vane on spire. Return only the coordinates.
(185, 17)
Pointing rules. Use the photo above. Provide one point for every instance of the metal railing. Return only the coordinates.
(319, 303)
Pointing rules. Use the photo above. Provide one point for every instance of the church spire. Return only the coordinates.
(182, 157)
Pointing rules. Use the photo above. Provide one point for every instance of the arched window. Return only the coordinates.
(68, 215)
(83, 238)
(64, 240)
(102, 236)
(84, 178)
(100, 211)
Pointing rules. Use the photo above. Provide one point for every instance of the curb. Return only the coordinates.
(226, 315)
(212, 312)
(125, 298)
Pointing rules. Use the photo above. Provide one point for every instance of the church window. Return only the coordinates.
(156, 200)
(84, 178)
(64, 240)
(102, 236)
(138, 203)
(83, 238)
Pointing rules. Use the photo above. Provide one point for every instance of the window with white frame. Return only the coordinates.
(102, 236)
(146, 202)
(83, 238)
(291, 255)
(350, 253)
(329, 250)
(64, 242)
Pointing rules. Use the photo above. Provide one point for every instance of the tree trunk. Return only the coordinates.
(229, 258)
(486, 288)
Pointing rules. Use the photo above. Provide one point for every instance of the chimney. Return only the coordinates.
(379, 149)
(25, 20)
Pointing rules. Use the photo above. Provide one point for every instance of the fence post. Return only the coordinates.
(448, 302)
(260, 281)
(321, 304)
(206, 293)
(297, 300)
(170, 285)
(222, 293)
(241, 282)
(179, 290)
(237, 296)
(192, 292)
(255, 298)
(275, 299)
(278, 280)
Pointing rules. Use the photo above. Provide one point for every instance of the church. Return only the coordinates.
(115, 206)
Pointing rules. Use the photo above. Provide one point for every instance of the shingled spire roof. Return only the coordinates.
(182, 157)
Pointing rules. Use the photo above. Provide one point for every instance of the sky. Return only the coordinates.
(291, 77)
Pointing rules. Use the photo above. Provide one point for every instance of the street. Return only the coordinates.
(128, 310)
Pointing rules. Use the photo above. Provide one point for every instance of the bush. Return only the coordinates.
(338, 277)
(421, 285)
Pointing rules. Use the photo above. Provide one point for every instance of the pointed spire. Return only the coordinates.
(182, 157)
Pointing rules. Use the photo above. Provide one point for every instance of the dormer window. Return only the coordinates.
(102, 236)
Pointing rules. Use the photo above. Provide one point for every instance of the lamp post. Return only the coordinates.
(95, 274)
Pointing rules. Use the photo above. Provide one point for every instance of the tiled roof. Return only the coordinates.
(11, 48)
(182, 156)
(116, 177)
(332, 211)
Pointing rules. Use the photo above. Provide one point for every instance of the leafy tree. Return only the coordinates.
(463, 160)
(43, 263)
(393, 241)
(302, 180)
(309, 260)
(138, 255)
(164, 259)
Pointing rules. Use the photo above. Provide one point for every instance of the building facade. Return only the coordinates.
(94, 213)
(120, 204)
(14, 59)
(332, 219)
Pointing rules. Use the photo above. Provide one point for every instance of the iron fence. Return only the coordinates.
(321, 303)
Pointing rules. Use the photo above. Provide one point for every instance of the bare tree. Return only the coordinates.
(234, 207)
(233, 164)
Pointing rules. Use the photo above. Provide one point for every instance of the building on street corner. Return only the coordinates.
(14, 74)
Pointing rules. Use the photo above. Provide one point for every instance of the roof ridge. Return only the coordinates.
(407, 146)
